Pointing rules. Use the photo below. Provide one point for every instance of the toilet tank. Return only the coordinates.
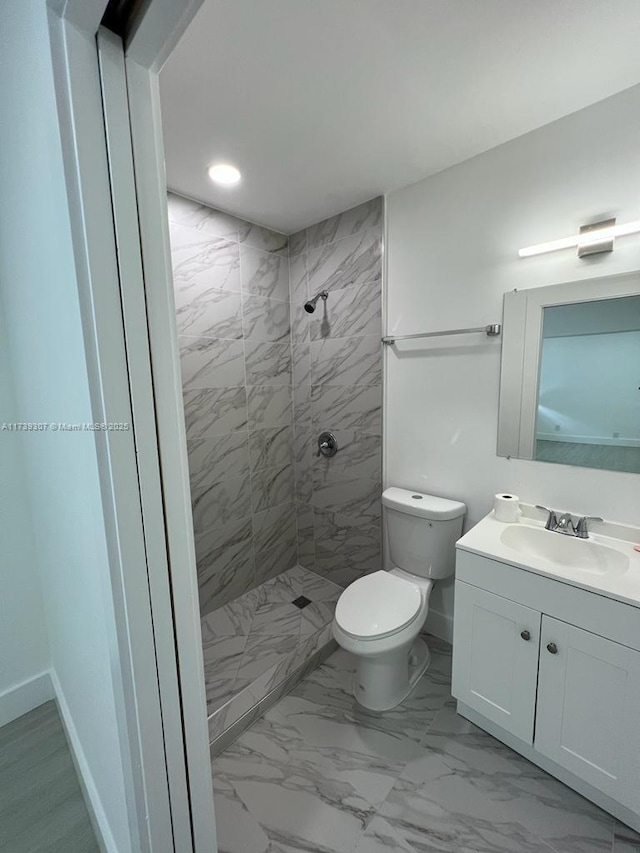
(422, 531)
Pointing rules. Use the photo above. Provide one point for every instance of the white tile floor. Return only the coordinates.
(318, 774)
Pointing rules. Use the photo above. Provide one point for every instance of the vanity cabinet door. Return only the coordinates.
(495, 658)
(588, 714)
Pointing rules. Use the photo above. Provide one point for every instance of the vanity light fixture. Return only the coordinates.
(591, 240)
(224, 174)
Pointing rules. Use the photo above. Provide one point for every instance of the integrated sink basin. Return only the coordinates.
(607, 562)
(582, 555)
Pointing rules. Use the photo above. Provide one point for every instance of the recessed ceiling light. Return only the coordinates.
(224, 173)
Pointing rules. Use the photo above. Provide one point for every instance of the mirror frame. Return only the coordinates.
(522, 319)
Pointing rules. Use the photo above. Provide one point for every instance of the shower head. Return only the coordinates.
(310, 306)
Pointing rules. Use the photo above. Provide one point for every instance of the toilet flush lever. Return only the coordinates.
(327, 444)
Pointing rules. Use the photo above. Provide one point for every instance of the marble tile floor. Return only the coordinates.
(318, 774)
(254, 643)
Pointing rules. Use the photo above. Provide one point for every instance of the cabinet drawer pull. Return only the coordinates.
(552, 648)
(525, 635)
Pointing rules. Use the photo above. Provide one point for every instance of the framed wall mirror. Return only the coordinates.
(570, 378)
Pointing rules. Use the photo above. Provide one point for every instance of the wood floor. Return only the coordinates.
(41, 805)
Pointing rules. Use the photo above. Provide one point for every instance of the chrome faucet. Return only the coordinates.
(565, 523)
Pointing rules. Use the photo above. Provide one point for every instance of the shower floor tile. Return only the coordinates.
(260, 630)
(319, 774)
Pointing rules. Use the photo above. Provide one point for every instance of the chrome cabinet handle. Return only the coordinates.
(526, 635)
(552, 648)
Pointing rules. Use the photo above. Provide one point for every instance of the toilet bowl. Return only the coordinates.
(378, 618)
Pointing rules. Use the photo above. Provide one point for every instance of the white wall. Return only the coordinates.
(589, 389)
(24, 647)
(40, 300)
(452, 246)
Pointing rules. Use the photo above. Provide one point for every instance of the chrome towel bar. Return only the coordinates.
(491, 331)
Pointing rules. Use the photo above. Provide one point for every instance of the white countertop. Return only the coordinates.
(485, 539)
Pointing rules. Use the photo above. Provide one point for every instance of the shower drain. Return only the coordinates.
(301, 601)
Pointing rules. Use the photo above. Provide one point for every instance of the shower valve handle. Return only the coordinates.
(327, 444)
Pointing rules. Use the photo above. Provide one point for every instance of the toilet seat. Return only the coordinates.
(377, 605)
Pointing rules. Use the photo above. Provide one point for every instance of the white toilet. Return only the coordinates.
(379, 617)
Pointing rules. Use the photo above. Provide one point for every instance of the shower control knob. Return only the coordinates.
(327, 444)
(526, 635)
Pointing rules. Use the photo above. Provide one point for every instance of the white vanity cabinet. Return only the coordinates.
(588, 708)
(496, 658)
(553, 671)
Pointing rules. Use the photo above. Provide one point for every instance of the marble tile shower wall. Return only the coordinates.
(231, 281)
(337, 385)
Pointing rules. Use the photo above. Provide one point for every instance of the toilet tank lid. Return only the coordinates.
(424, 506)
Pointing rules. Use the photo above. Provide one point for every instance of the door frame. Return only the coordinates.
(133, 373)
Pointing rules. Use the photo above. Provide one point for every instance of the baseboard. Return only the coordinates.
(24, 697)
(97, 816)
(440, 625)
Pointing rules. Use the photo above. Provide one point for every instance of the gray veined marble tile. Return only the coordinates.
(478, 791)
(297, 242)
(262, 238)
(215, 411)
(201, 261)
(265, 319)
(356, 407)
(298, 581)
(269, 406)
(221, 503)
(360, 218)
(379, 837)
(271, 448)
(299, 796)
(350, 312)
(275, 632)
(304, 444)
(625, 840)
(271, 562)
(306, 544)
(231, 620)
(268, 363)
(301, 361)
(357, 499)
(237, 830)
(298, 279)
(359, 456)
(299, 323)
(183, 211)
(210, 313)
(345, 547)
(272, 526)
(264, 273)
(353, 261)
(315, 617)
(302, 403)
(347, 361)
(225, 564)
(272, 486)
(211, 363)
(212, 460)
(221, 664)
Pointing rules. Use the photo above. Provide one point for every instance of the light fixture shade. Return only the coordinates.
(224, 173)
(597, 235)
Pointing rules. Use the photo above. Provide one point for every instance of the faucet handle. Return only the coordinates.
(582, 527)
(552, 521)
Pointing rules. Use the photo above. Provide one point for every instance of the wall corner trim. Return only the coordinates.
(97, 815)
(25, 696)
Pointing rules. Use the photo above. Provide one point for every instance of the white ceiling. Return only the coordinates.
(323, 104)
